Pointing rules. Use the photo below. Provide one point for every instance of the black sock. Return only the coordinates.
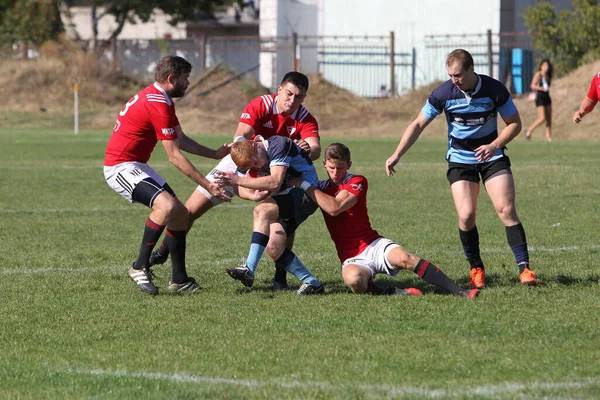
(152, 233)
(163, 250)
(175, 242)
(285, 259)
(470, 243)
(432, 274)
(518, 244)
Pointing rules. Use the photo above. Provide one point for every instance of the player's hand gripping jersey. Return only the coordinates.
(146, 118)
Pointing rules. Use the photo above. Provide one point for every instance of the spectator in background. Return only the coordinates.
(541, 84)
(475, 153)
(589, 101)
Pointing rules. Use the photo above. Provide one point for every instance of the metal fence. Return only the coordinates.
(364, 65)
(368, 66)
(506, 56)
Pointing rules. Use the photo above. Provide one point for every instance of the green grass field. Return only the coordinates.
(75, 326)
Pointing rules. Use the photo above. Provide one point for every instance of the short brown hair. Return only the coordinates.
(171, 65)
(461, 56)
(242, 152)
(337, 152)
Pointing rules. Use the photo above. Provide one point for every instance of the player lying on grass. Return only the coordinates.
(363, 252)
(282, 212)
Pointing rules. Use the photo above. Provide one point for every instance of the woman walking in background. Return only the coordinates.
(541, 84)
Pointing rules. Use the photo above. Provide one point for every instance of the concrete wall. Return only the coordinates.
(281, 18)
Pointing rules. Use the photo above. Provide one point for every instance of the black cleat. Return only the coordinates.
(281, 285)
(242, 274)
(307, 289)
(143, 278)
(190, 286)
(157, 258)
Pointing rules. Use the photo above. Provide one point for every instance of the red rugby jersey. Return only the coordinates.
(148, 117)
(262, 115)
(351, 230)
(594, 92)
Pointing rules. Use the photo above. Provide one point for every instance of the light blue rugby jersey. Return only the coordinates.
(284, 151)
(472, 121)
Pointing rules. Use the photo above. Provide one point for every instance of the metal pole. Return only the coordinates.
(489, 54)
(75, 107)
(392, 65)
(413, 80)
(294, 51)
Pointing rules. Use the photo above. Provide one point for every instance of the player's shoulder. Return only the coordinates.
(355, 182)
(262, 103)
(445, 91)
(156, 97)
(302, 115)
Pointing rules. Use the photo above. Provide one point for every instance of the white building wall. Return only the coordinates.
(410, 21)
(283, 18)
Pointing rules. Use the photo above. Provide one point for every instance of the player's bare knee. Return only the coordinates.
(507, 214)
(265, 211)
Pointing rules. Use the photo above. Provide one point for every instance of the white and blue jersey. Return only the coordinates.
(471, 117)
(284, 151)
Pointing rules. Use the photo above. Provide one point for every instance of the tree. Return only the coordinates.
(128, 10)
(565, 37)
(27, 21)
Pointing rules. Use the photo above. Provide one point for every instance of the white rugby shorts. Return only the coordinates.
(226, 164)
(124, 177)
(374, 257)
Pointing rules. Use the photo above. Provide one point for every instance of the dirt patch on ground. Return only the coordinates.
(216, 97)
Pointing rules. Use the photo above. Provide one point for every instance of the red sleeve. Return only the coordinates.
(254, 111)
(310, 127)
(357, 185)
(163, 120)
(594, 87)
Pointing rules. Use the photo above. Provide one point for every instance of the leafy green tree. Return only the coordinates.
(565, 37)
(24, 21)
(127, 10)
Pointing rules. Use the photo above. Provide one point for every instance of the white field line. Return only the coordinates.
(389, 390)
(98, 209)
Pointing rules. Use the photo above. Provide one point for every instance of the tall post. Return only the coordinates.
(490, 54)
(75, 107)
(392, 65)
(294, 51)
(203, 43)
(413, 78)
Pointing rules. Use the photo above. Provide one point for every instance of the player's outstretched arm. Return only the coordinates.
(586, 107)
(189, 145)
(409, 137)
(244, 130)
(182, 163)
(333, 206)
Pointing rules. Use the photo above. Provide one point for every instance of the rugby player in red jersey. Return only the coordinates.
(363, 252)
(589, 101)
(279, 114)
(147, 118)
